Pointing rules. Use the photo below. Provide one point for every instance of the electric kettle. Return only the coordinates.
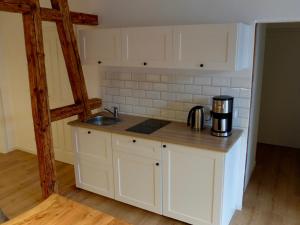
(196, 118)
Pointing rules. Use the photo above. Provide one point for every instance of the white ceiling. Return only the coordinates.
(170, 12)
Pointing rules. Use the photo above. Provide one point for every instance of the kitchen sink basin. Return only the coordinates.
(103, 121)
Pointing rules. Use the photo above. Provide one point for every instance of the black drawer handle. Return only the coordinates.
(201, 65)
(99, 62)
(157, 164)
(164, 146)
(145, 64)
(133, 141)
(89, 132)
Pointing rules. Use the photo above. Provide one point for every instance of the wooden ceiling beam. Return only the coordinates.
(14, 6)
(54, 15)
(47, 14)
(72, 110)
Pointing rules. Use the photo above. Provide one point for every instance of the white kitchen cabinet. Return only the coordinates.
(223, 47)
(138, 172)
(147, 46)
(93, 161)
(102, 46)
(212, 46)
(200, 186)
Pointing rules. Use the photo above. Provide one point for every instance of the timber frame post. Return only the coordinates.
(33, 15)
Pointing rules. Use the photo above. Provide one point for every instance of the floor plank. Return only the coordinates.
(272, 197)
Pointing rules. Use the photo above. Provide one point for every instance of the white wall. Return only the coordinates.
(256, 99)
(280, 107)
(14, 85)
(170, 12)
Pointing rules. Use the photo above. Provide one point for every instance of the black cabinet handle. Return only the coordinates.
(89, 132)
(164, 146)
(133, 141)
(145, 64)
(157, 164)
(99, 62)
(201, 65)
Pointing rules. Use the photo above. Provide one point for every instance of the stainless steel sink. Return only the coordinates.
(103, 121)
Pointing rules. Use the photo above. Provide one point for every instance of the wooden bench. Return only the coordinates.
(57, 210)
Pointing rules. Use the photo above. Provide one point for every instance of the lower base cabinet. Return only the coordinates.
(138, 181)
(193, 185)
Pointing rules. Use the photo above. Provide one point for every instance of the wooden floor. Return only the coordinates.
(272, 197)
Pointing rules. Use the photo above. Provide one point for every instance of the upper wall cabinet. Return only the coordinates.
(224, 47)
(101, 46)
(212, 47)
(147, 46)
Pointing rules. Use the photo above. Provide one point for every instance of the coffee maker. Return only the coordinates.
(222, 109)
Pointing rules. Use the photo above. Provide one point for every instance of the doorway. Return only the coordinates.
(274, 141)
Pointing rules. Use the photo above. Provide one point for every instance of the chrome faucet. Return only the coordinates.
(115, 111)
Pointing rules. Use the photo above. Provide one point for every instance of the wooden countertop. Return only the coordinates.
(57, 210)
(174, 133)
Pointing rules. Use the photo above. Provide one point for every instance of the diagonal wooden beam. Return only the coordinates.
(71, 56)
(39, 99)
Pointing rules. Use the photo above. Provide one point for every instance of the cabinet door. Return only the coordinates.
(93, 164)
(210, 47)
(101, 46)
(147, 46)
(192, 181)
(138, 181)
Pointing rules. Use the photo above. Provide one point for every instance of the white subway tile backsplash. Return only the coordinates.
(125, 76)
(153, 77)
(145, 86)
(139, 93)
(160, 87)
(153, 94)
(243, 113)
(126, 92)
(172, 96)
(242, 102)
(168, 96)
(139, 110)
(125, 108)
(221, 81)
(153, 112)
(241, 82)
(193, 89)
(168, 114)
(146, 102)
(245, 93)
(175, 105)
(201, 100)
(203, 80)
(112, 91)
(234, 92)
(211, 91)
(119, 99)
(132, 84)
(184, 97)
(159, 103)
(132, 101)
(181, 115)
(117, 83)
(138, 76)
(176, 87)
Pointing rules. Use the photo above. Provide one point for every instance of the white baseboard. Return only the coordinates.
(61, 156)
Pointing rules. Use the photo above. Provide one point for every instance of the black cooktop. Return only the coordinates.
(148, 126)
